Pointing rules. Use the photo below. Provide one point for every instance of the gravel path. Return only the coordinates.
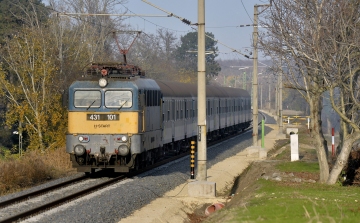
(121, 199)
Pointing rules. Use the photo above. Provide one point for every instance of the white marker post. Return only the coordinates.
(332, 142)
(294, 144)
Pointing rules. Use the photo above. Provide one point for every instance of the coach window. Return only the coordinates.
(168, 110)
(181, 111)
(118, 99)
(87, 99)
(177, 110)
(172, 110)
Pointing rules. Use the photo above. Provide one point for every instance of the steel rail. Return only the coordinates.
(40, 192)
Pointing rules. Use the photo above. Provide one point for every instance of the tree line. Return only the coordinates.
(43, 51)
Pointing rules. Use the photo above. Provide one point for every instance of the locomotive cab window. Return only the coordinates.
(118, 99)
(87, 99)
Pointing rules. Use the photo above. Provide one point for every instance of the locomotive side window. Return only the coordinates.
(147, 98)
(154, 99)
(87, 99)
(118, 99)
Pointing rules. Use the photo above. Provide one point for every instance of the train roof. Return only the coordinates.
(176, 89)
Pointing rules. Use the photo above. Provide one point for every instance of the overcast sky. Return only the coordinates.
(222, 18)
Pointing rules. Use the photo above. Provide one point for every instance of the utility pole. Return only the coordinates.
(269, 95)
(277, 99)
(201, 156)
(255, 81)
(201, 187)
(280, 119)
(255, 74)
(244, 81)
(261, 101)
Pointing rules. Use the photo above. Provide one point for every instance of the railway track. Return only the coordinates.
(36, 209)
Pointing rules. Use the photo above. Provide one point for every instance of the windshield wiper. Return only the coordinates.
(123, 104)
(91, 105)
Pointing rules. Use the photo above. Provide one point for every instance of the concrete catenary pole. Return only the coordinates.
(280, 103)
(269, 94)
(255, 78)
(201, 156)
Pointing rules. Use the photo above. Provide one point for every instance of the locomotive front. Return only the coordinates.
(104, 120)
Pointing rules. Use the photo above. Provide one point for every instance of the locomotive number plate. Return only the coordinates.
(102, 117)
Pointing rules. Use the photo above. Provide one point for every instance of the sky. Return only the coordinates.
(222, 18)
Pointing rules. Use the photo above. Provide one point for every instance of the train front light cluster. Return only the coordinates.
(122, 138)
(123, 150)
(79, 150)
(102, 82)
(84, 138)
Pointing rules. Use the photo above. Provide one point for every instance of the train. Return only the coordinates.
(120, 120)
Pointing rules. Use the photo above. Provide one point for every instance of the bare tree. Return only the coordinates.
(83, 39)
(304, 36)
(342, 66)
(154, 53)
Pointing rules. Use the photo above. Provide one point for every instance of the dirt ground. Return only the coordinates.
(177, 206)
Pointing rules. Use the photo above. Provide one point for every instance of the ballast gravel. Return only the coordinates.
(120, 200)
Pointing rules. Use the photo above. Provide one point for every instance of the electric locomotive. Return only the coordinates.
(120, 120)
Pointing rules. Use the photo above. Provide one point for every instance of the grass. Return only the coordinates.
(288, 201)
(32, 168)
(280, 202)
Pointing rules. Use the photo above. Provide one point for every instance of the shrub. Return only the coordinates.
(32, 169)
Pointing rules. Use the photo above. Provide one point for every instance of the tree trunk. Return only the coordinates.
(320, 142)
(342, 159)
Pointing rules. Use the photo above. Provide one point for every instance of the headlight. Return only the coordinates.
(124, 138)
(102, 82)
(79, 150)
(123, 150)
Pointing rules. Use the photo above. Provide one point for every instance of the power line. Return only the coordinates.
(182, 19)
(152, 22)
(96, 24)
(246, 11)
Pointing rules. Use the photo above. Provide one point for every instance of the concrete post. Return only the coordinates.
(201, 158)
(255, 78)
